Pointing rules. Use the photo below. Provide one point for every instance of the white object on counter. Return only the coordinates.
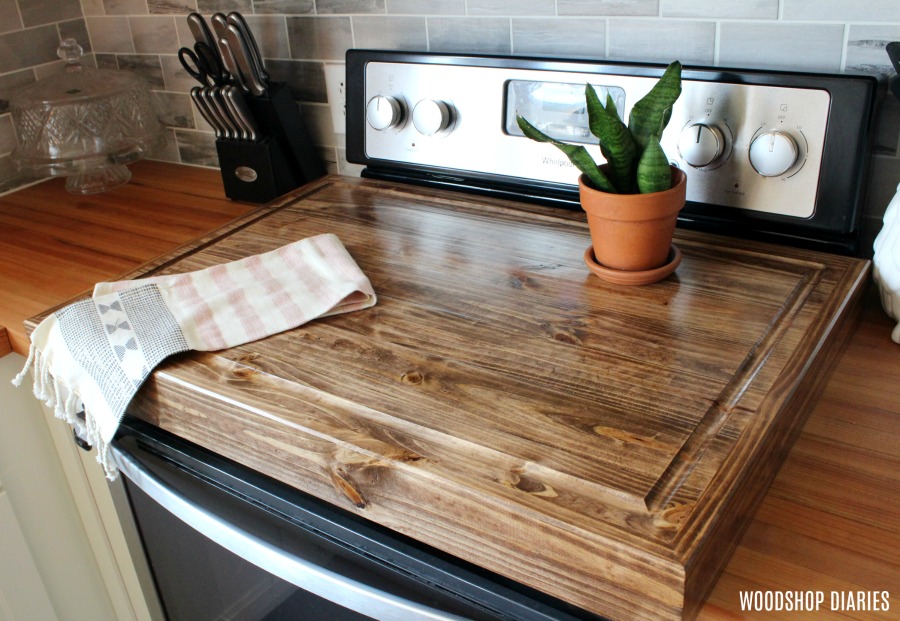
(887, 263)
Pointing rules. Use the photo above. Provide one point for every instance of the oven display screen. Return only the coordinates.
(555, 108)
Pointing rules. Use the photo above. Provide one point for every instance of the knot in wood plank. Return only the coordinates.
(345, 487)
(412, 377)
(519, 480)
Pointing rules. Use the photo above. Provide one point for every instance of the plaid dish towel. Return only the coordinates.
(94, 354)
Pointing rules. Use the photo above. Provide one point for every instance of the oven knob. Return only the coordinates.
(773, 153)
(432, 117)
(383, 112)
(700, 144)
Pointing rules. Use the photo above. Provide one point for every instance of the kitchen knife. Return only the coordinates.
(196, 95)
(228, 129)
(220, 28)
(225, 111)
(218, 97)
(234, 99)
(231, 64)
(219, 24)
(244, 60)
(237, 20)
(200, 30)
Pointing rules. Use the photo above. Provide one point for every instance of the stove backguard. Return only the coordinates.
(781, 156)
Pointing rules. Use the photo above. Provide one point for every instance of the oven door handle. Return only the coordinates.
(300, 572)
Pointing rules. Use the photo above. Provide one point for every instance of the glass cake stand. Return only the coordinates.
(85, 124)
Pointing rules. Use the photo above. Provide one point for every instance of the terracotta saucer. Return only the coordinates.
(643, 277)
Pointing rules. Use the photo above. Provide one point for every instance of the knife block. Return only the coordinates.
(256, 171)
(278, 116)
(282, 159)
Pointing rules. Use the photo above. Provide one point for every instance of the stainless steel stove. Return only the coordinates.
(773, 155)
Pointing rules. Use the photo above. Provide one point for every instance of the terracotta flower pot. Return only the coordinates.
(633, 232)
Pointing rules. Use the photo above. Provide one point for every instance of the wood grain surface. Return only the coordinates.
(605, 444)
(5, 346)
(55, 245)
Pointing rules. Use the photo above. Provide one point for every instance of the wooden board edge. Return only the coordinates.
(706, 565)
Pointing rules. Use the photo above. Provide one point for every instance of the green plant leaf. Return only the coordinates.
(653, 172)
(577, 154)
(616, 143)
(611, 106)
(651, 114)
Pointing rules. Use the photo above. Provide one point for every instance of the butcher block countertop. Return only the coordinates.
(55, 245)
(605, 444)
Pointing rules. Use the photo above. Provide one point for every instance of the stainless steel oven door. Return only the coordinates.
(228, 544)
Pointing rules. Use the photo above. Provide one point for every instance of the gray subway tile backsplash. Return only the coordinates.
(284, 7)
(326, 7)
(609, 8)
(569, 37)
(396, 32)
(176, 79)
(271, 33)
(125, 7)
(662, 42)
(224, 6)
(325, 38)
(110, 35)
(148, 66)
(866, 49)
(814, 47)
(12, 82)
(9, 16)
(519, 8)
(40, 12)
(871, 11)
(197, 148)
(175, 109)
(488, 35)
(29, 47)
(432, 7)
(153, 34)
(171, 7)
(716, 9)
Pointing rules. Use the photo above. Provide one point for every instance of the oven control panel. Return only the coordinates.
(756, 147)
(750, 142)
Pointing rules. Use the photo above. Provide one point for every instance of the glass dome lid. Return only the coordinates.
(85, 124)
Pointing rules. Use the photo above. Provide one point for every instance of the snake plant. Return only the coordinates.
(637, 162)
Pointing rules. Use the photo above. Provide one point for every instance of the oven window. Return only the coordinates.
(555, 108)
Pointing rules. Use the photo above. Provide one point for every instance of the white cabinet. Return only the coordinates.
(22, 593)
(57, 550)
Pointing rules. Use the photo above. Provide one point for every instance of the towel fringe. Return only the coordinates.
(18, 379)
(51, 392)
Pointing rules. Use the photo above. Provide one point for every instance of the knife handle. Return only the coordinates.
(200, 30)
(244, 61)
(196, 95)
(240, 22)
(234, 99)
(231, 64)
